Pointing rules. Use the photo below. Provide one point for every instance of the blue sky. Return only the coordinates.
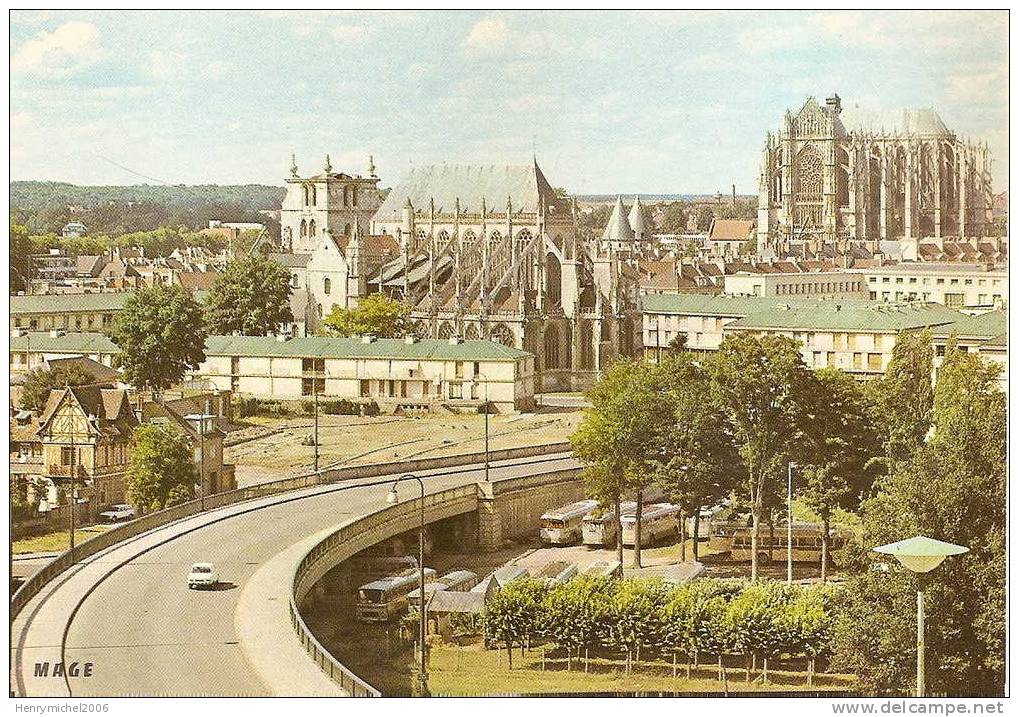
(610, 102)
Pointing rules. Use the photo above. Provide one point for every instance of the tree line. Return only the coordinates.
(906, 456)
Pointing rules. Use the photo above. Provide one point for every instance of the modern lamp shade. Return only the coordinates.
(921, 554)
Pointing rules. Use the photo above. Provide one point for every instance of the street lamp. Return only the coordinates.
(483, 378)
(789, 525)
(393, 498)
(920, 555)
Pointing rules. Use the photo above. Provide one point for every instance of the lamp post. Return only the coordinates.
(789, 525)
(483, 378)
(920, 555)
(392, 499)
(201, 419)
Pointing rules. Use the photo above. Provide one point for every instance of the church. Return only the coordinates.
(494, 252)
(834, 176)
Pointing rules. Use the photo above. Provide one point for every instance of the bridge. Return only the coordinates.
(123, 609)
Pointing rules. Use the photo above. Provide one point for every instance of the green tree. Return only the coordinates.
(576, 613)
(674, 218)
(904, 396)
(757, 382)
(376, 314)
(251, 297)
(697, 456)
(161, 336)
(160, 473)
(952, 488)
(619, 437)
(840, 439)
(20, 257)
(39, 383)
(513, 614)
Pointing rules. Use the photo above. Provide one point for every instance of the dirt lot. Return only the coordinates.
(351, 440)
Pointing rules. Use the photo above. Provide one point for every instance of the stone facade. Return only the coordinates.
(493, 252)
(832, 177)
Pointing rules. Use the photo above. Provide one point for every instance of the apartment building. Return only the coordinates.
(958, 286)
(66, 312)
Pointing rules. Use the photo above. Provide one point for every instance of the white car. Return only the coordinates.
(119, 512)
(202, 575)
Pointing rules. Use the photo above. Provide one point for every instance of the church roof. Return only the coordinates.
(524, 185)
(618, 228)
(923, 121)
(638, 222)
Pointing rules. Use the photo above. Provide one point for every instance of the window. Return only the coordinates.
(294, 281)
(459, 370)
(312, 386)
(235, 364)
(326, 285)
(311, 228)
(304, 228)
(955, 301)
(353, 196)
(365, 388)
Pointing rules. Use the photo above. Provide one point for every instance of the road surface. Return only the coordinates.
(128, 611)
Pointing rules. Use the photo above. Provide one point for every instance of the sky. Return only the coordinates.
(652, 102)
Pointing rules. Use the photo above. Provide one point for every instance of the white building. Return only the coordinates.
(957, 286)
(816, 284)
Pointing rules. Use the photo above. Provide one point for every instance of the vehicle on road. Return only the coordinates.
(202, 575)
(119, 512)
(562, 526)
(381, 600)
(656, 521)
(599, 526)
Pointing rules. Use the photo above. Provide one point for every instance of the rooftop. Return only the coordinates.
(64, 303)
(832, 315)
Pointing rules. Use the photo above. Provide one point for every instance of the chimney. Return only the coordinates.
(411, 339)
(368, 339)
(454, 340)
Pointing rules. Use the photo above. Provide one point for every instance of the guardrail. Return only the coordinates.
(344, 543)
(145, 523)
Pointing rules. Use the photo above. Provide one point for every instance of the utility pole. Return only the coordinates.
(789, 526)
(73, 503)
(315, 391)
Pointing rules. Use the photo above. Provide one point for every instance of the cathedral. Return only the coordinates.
(832, 177)
(494, 252)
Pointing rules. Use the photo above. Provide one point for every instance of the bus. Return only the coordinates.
(806, 545)
(599, 526)
(459, 580)
(656, 521)
(503, 576)
(708, 517)
(381, 600)
(562, 526)
(558, 571)
(604, 569)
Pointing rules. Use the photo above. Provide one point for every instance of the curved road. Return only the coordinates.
(128, 611)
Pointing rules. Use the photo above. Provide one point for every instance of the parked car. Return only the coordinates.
(202, 575)
(119, 512)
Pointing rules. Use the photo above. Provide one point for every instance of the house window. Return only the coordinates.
(365, 388)
(235, 364)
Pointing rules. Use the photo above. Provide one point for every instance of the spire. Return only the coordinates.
(329, 166)
(371, 166)
(637, 223)
(293, 165)
(618, 228)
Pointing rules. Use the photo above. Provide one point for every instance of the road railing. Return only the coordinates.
(31, 587)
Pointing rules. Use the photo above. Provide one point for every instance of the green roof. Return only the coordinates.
(82, 343)
(714, 304)
(66, 303)
(833, 315)
(989, 325)
(303, 347)
(326, 347)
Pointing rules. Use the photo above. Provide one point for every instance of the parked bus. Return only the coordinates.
(503, 576)
(599, 526)
(562, 526)
(375, 567)
(656, 521)
(604, 569)
(459, 580)
(558, 571)
(708, 517)
(806, 543)
(381, 600)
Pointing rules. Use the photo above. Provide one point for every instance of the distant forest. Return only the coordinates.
(45, 207)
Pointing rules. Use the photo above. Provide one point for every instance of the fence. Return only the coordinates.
(342, 544)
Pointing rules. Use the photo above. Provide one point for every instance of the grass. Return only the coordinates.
(472, 671)
(57, 542)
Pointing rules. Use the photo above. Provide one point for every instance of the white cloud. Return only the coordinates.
(493, 37)
(350, 33)
(990, 87)
(70, 47)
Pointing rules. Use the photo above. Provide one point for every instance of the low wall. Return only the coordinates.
(145, 523)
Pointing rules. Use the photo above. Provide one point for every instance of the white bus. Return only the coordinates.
(503, 576)
(656, 520)
(599, 527)
(558, 571)
(562, 526)
(459, 581)
(708, 517)
(381, 600)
